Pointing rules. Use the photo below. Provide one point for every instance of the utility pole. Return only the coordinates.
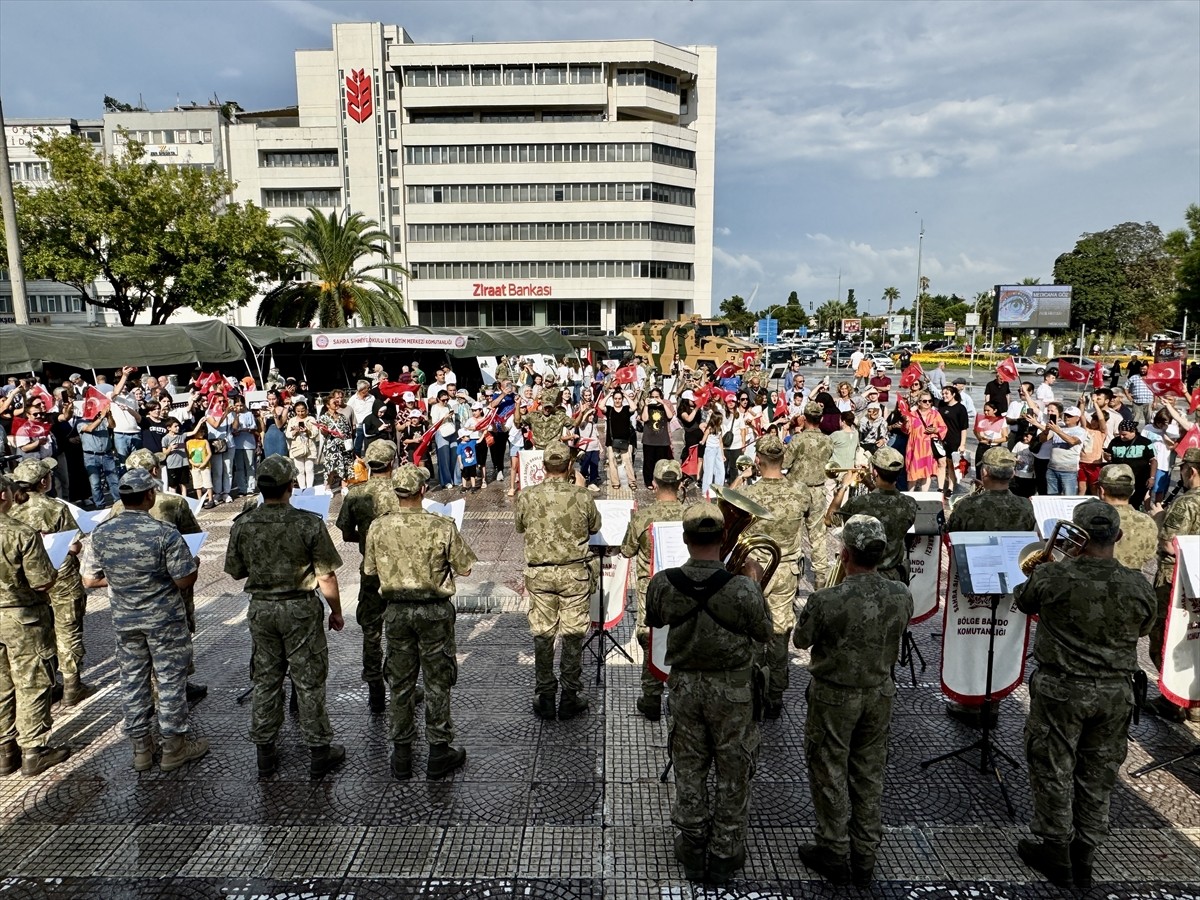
(16, 267)
(917, 302)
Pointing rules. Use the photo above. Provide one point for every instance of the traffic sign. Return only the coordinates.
(950, 328)
(768, 331)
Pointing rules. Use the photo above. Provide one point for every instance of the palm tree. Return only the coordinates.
(891, 295)
(340, 254)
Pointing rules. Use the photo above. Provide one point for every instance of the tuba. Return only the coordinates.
(737, 546)
(1066, 541)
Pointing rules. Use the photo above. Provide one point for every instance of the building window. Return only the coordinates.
(440, 118)
(576, 315)
(320, 197)
(453, 76)
(485, 76)
(596, 116)
(587, 74)
(629, 311)
(550, 75)
(298, 159)
(649, 78)
(51, 303)
(452, 314)
(545, 193)
(518, 74)
(454, 154)
(550, 231)
(391, 84)
(455, 271)
(424, 77)
(393, 162)
(511, 116)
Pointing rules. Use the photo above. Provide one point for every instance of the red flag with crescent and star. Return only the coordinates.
(1007, 370)
(1068, 371)
(912, 374)
(1165, 378)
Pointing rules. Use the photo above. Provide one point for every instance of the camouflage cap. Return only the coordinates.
(1115, 474)
(408, 480)
(380, 454)
(703, 519)
(6, 483)
(276, 472)
(1191, 456)
(812, 408)
(1101, 521)
(135, 481)
(744, 462)
(887, 459)
(861, 532)
(770, 446)
(556, 454)
(668, 471)
(143, 459)
(999, 461)
(31, 471)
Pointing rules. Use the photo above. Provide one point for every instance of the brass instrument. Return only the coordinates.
(737, 546)
(1066, 541)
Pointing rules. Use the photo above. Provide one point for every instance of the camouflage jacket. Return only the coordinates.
(362, 505)
(280, 551)
(1182, 517)
(992, 511)
(1139, 538)
(1091, 613)
(637, 537)
(416, 555)
(23, 564)
(696, 642)
(789, 502)
(50, 516)
(141, 558)
(171, 509)
(546, 429)
(557, 519)
(807, 455)
(854, 629)
(896, 512)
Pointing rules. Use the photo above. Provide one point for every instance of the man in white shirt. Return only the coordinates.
(965, 399)
(855, 358)
(359, 406)
(439, 384)
(1045, 391)
(937, 380)
(1066, 441)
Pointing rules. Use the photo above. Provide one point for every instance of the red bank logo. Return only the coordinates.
(358, 96)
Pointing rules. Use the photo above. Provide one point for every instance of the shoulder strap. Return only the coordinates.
(699, 592)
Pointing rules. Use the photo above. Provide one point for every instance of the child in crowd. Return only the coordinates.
(469, 437)
(199, 455)
(1024, 483)
(175, 446)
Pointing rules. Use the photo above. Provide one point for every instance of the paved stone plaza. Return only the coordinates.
(546, 810)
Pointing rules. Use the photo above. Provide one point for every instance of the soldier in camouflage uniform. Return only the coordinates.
(172, 509)
(547, 425)
(897, 512)
(68, 600)
(145, 564)
(854, 630)
(363, 504)
(1092, 610)
(557, 519)
(808, 453)
(1182, 517)
(1139, 532)
(790, 503)
(289, 563)
(995, 507)
(414, 556)
(719, 622)
(26, 646)
(666, 507)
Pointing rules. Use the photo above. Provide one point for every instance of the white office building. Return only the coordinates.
(565, 183)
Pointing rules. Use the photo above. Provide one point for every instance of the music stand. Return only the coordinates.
(988, 752)
(606, 640)
(1194, 753)
(929, 521)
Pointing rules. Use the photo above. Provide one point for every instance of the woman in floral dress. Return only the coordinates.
(336, 458)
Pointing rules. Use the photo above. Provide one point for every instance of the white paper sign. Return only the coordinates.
(532, 469)
(613, 589)
(1180, 678)
(58, 545)
(667, 551)
(316, 503)
(455, 510)
(195, 541)
(925, 562)
(87, 521)
(1048, 510)
(614, 522)
(196, 504)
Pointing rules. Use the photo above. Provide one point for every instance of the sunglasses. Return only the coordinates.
(925, 400)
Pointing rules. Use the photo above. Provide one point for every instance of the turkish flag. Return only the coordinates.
(723, 395)
(911, 375)
(780, 407)
(392, 390)
(625, 375)
(1190, 439)
(216, 405)
(902, 406)
(1068, 371)
(30, 429)
(1195, 404)
(95, 403)
(37, 392)
(748, 358)
(427, 439)
(1097, 375)
(1007, 370)
(727, 370)
(691, 463)
(1164, 378)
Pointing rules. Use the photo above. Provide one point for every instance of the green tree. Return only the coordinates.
(1183, 245)
(163, 237)
(340, 255)
(1028, 280)
(891, 295)
(830, 314)
(734, 310)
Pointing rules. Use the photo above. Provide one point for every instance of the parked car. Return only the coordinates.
(1085, 363)
(932, 346)
(1011, 349)
(1027, 366)
(883, 362)
(950, 348)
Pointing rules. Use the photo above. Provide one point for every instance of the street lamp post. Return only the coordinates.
(917, 301)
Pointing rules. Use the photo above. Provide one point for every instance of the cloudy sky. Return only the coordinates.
(1007, 128)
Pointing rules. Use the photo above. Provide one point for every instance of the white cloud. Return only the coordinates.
(723, 231)
(741, 262)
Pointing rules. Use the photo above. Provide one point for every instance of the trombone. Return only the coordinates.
(1066, 541)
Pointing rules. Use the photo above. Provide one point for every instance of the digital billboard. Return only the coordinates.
(1033, 306)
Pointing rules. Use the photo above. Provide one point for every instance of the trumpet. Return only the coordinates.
(737, 546)
(1066, 541)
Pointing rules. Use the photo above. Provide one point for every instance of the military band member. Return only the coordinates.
(1139, 532)
(548, 425)
(995, 507)
(897, 512)
(290, 565)
(414, 556)
(854, 631)
(557, 519)
(1091, 610)
(26, 645)
(364, 503)
(145, 564)
(68, 600)
(790, 503)
(666, 507)
(808, 453)
(718, 623)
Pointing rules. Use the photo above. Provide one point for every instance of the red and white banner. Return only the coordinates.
(394, 339)
(612, 589)
(925, 564)
(531, 468)
(1179, 681)
(667, 551)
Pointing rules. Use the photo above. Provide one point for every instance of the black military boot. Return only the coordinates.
(37, 760)
(722, 868)
(544, 708)
(835, 870)
(444, 759)
(773, 709)
(196, 692)
(691, 857)
(1082, 858)
(268, 760)
(401, 761)
(324, 760)
(1051, 859)
(862, 870)
(376, 697)
(75, 691)
(650, 707)
(10, 758)
(571, 705)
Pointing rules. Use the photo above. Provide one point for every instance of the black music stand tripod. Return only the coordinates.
(908, 644)
(988, 752)
(603, 637)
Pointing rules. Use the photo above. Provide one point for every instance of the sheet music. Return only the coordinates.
(1187, 555)
(985, 562)
(1048, 510)
(58, 545)
(310, 502)
(195, 541)
(196, 504)
(614, 522)
(87, 521)
(669, 550)
(988, 555)
(455, 510)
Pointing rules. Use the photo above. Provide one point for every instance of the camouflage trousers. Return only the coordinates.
(559, 601)
(289, 635)
(845, 742)
(712, 722)
(652, 688)
(26, 674)
(1075, 742)
(166, 653)
(1159, 632)
(68, 631)
(814, 527)
(775, 656)
(421, 636)
(370, 613)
